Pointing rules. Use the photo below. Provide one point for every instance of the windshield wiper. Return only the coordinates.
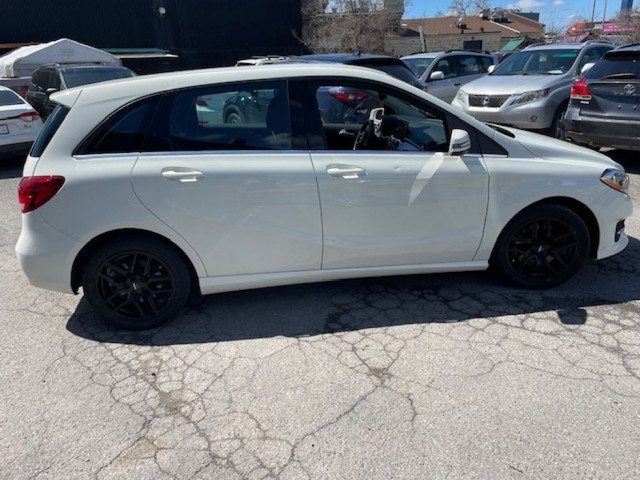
(619, 75)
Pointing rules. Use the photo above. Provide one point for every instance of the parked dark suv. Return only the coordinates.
(53, 78)
(604, 110)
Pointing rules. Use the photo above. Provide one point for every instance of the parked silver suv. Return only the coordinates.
(442, 73)
(530, 89)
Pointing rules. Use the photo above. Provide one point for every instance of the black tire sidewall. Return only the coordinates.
(499, 261)
(166, 253)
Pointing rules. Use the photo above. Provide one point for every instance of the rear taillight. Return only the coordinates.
(349, 97)
(29, 116)
(33, 192)
(200, 102)
(580, 90)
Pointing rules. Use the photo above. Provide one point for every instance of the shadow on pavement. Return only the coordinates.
(12, 167)
(628, 159)
(321, 308)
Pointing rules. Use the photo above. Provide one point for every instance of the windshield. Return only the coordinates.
(85, 76)
(8, 97)
(418, 65)
(538, 62)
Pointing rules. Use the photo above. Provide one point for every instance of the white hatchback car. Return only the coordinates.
(20, 124)
(130, 196)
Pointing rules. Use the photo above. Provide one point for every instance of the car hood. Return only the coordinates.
(552, 149)
(510, 84)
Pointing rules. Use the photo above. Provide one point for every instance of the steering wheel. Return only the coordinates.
(368, 136)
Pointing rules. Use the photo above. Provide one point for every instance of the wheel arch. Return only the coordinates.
(579, 208)
(82, 257)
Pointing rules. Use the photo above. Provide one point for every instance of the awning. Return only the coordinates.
(513, 44)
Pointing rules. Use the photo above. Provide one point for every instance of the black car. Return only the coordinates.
(604, 110)
(53, 78)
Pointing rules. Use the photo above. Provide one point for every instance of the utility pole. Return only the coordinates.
(593, 12)
(604, 15)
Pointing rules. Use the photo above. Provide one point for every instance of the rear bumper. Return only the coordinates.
(597, 132)
(45, 254)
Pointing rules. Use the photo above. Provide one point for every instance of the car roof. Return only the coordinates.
(446, 52)
(559, 46)
(134, 87)
(631, 47)
(348, 58)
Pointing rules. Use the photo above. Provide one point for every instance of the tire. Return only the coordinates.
(542, 247)
(136, 283)
(234, 117)
(557, 126)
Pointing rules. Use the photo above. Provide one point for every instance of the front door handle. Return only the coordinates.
(182, 174)
(348, 172)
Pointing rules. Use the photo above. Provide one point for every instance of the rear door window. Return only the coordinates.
(246, 116)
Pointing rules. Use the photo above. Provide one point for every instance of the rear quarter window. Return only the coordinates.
(51, 126)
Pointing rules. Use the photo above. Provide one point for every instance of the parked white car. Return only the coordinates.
(127, 195)
(20, 124)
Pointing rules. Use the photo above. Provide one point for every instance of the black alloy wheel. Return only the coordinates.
(544, 246)
(136, 284)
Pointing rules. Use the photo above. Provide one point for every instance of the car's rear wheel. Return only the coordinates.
(136, 283)
(542, 247)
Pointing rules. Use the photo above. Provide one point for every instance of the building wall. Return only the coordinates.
(399, 46)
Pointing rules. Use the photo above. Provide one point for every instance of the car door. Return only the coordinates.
(239, 193)
(401, 202)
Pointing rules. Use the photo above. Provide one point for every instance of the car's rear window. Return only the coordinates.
(616, 65)
(48, 131)
(9, 98)
(75, 78)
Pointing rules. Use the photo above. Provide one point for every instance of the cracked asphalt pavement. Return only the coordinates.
(440, 376)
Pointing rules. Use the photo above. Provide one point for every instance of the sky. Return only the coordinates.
(552, 12)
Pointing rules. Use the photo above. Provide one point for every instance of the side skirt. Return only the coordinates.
(210, 285)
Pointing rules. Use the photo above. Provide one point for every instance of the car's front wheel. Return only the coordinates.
(136, 283)
(543, 246)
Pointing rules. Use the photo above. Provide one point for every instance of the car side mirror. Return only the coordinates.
(491, 69)
(437, 75)
(51, 90)
(586, 68)
(460, 143)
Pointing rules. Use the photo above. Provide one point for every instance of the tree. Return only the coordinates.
(349, 25)
(467, 7)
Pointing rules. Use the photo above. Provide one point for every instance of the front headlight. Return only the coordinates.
(527, 97)
(616, 179)
(461, 96)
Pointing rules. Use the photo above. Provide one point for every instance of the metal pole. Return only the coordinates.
(593, 12)
(604, 15)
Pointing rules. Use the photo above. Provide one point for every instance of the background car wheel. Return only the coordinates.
(542, 247)
(557, 127)
(136, 283)
(234, 117)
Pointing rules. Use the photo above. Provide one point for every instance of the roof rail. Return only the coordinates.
(586, 42)
(634, 44)
(467, 50)
(537, 44)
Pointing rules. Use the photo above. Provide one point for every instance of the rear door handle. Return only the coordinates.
(182, 174)
(348, 172)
